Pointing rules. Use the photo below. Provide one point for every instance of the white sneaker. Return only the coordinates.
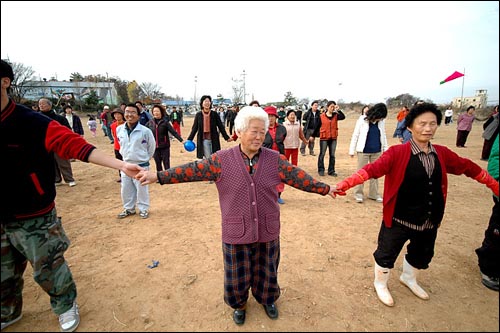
(71, 184)
(359, 199)
(377, 199)
(70, 319)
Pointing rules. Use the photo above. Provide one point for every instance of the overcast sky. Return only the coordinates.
(350, 51)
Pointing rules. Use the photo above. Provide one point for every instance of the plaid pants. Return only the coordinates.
(252, 266)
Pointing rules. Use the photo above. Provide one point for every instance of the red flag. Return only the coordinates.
(453, 76)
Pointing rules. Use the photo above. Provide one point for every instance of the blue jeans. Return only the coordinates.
(332, 146)
(207, 148)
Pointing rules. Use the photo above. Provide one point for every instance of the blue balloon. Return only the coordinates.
(189, 145)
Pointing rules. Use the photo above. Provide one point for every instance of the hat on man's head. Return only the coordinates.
(6, 70)
(119, 110)
(271, 110)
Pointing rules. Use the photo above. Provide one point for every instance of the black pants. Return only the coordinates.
(487, 145)
(488, 254)
(119, 157)
(162, 156)
(462, 138)
(420, 250)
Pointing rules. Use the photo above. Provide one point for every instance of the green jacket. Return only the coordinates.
(493, 160)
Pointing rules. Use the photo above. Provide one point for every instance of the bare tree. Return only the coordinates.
(22, 75)
(150, 91)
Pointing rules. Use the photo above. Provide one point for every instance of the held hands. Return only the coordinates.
(342, 187)
(355, 179)
(334, 192)
(130, 169)
(147, 177)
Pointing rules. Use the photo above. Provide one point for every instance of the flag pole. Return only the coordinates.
(462, 96)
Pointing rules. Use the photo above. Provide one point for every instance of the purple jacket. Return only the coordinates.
(249, 203)
(464, 122)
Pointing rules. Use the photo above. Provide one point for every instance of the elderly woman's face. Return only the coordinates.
(253, 137)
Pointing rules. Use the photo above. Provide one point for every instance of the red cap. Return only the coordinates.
(271, 110)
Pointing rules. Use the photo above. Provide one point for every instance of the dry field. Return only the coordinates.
(326, 269)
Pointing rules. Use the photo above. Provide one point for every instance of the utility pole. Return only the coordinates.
(195, 82)
(109, 90)
(244, 89)
(462, 95)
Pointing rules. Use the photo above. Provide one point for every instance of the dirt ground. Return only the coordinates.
(326, 270)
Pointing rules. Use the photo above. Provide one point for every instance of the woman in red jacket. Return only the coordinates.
(415, 190)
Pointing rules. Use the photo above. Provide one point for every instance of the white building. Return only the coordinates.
(480, 100)
(79, 90)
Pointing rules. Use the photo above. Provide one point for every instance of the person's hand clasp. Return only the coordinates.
(131, 170)
(147, 177)
(341, 188)
(334, 192)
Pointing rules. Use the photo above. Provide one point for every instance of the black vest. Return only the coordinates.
(420, 198)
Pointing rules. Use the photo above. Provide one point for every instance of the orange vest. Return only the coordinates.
(401, 114)
(329, 127)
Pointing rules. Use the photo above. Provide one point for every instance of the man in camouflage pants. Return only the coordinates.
(42, 241)
(30, 229)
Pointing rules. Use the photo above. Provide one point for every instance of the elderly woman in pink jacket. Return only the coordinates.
(464, 126)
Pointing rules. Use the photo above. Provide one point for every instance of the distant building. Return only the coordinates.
(78, 90)
(222, 101)
(180, 102)
(480, 100)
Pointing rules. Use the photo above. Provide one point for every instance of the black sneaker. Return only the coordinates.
(490, 282)
(13, 321)
(126, 213)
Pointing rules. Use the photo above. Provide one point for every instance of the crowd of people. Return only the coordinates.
(250, 178)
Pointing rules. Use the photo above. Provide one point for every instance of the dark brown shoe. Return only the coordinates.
(271, 310)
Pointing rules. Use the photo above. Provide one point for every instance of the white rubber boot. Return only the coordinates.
(409, 279)
(381, 278)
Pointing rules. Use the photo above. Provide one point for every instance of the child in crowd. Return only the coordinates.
(92, 124)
